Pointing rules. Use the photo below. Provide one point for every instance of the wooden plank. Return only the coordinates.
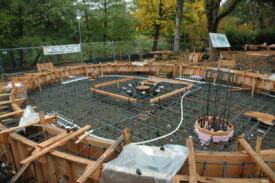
(185, 178)
(52, 174)
(9, 101)
(52, 140)
(262, 117)
(5, 94)
(158, 79)
(114, 82)
(69, 172)
(231, 180)
(13, 129)
(92, 168)
(10, 130)
(11, 114)
(120, 97)
(82, 137)
(22, 169)
(15, 154)
(39, 173)
(193, 176)
(167, 95)
(259, 161)
(52, 147)
(19, 173)
(72, 158)
(258, 144)
(240, 89)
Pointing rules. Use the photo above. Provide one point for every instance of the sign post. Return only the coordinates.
(217, 41)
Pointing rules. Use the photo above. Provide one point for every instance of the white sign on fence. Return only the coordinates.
(219, 40)
(61, 49)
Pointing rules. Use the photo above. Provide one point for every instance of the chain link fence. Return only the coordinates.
(16, 60)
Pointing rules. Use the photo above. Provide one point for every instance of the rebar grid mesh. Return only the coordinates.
(108, 116)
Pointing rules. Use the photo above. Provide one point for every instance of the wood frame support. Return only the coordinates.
(262, 117)
(114, 82)
(259, 161)
(193, 176)
(55, 145)
(92, 168)
(48, 120)
(11, 114)
(162, 97)
(185, 178)
(9, 101)
(258, 144)
(120, 97)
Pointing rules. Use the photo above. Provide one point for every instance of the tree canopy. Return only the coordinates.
(34, 23)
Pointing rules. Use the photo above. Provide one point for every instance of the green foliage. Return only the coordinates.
(27, 23)
(238, 39)
(120, 22)
(265, 35)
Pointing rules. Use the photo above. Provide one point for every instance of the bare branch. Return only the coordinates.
(231, 7)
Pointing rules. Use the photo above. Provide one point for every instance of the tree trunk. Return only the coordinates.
(214, 16)
(20, 15)
(259, 16)
(105, 22)
(156, 37)
(88, 29)
(178, 25)
(213, 52)
(158, 26)
(87, 23)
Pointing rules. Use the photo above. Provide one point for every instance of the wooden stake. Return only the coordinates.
(127, 136)
(52, 173)
(253, 87)
(19, 173)
(193, 177)
(69, 171)
(258, 144)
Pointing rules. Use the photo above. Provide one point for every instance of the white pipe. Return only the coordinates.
(74, 80)
(176, 129)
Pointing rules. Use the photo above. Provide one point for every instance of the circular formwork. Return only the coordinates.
(204, 127)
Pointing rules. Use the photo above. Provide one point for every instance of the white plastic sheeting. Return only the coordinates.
(272, 77)
(29, 116)
(23, 92)
(146, 164)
